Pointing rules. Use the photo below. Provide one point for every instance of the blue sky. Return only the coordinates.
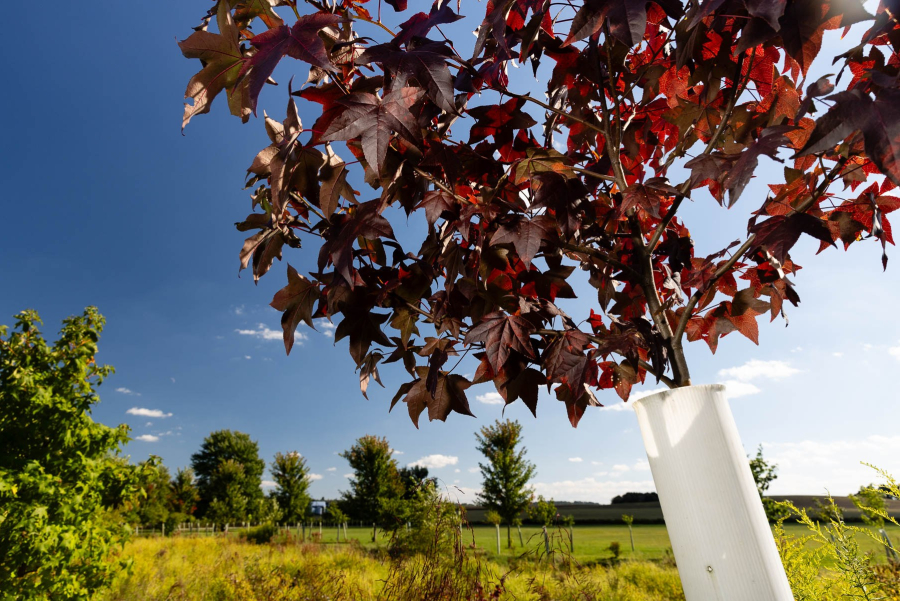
(108, 204)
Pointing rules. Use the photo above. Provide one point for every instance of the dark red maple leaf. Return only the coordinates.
(449, 396)
(770, 141)
(296, 302)
(223, 62)
(627, 18)
(525, 235)
(420, 24)
(301, 41)
(364, 221)
(778, 234)
(501, 334)
(373, 120)
(426, 63)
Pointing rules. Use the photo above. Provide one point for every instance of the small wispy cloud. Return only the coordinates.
(756, 369)
(349, 476)
(147, 438)
(124, 390)
(474, 470)
(263, 332)
(894, 352)
(435, 461)
(331, 469)
(396, 452)
(576, 459)
(142, 411)
(314, 477)
(490, 398)
(326, 327)
(268, 484)
(238, 310)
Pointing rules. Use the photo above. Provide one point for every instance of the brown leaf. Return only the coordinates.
(296, 301)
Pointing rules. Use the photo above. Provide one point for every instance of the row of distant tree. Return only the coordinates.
(223, 483)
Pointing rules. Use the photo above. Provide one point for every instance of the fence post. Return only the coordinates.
(521, 540)
(346, 538)
(163, 526)
(497, 527)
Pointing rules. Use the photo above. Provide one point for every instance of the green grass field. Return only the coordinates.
(592, 542)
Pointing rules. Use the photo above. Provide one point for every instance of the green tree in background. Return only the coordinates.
(59, 470)
(413, 477)
(291, 476)
(152, 508)
(184, 495)
(376, 484)
(506, 473)
(230, 503)
(764, 473)
(226, 446)
(543, 512)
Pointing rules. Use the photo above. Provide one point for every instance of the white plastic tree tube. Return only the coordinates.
(722, 542)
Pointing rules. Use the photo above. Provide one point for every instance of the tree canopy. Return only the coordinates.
(648, 104)
(506, 473)
(60, 471)
(241, 477)
(291, 476)
(375, 487)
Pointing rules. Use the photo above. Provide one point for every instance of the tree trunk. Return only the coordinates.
(508, 536)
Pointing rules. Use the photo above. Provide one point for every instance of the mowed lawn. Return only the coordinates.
(592, 542)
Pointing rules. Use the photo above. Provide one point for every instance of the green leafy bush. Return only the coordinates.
(60, 478)
(262, 534)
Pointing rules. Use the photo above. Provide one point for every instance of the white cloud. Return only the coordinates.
(264, 333)
(124, 390)
(620, 467)
(326, 327)
(490, 398)
(576, 459)
(248, 357)
(474, 470)
(735, 389)
(396, 452)
(435, 461)
(641, 466)
(456, 471)
(349, 476)
(147, 438)
(331, 469)
(634, 396)
(601, 474)
(239, 310)
(590, 489)
(596, 463)
(812, 466)
(895, 352)
(837, 355)
(158, 413)
(148, 424)
(314, 477)
(268, 484)
(173, 380)
(754, 369)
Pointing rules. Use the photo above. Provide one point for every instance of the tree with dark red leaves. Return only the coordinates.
(650, 103)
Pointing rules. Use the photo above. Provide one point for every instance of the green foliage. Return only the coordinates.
(59, 474)
(335, 515)
(870, 501)
(291, 475)
(183, 492)
(615, 548)
(628, 519)
(152, 509)
(432, 524)
(764, 473)
(262, 534)
(413, 477)
(506, 474)
(239, 483)
(542, 512)
(492, 517)
(231, 503)
(376, 486)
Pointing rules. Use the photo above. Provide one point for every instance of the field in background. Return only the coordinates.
(591, 542)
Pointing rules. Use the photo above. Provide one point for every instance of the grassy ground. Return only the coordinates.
(591, 542)
(227, 568)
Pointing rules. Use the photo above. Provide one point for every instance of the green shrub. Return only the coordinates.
(262, 534)
(615, 548)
